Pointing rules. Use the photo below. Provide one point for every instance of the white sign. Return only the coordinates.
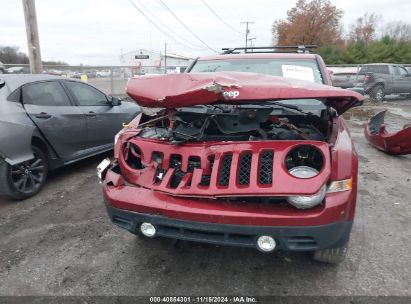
(298, 72)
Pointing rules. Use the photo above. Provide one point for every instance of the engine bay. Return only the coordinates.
(249, 122)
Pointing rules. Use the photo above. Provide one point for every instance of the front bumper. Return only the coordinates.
(230, 223)
(287, 238)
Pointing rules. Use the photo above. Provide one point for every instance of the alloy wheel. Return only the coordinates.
(29, 176)
(379, 95)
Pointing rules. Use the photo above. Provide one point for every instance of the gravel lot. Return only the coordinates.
(62, 243)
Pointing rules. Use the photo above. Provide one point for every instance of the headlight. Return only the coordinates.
(303, 172)
(305, 202)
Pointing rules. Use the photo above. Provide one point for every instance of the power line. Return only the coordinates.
(159, 28)
(168, 27)
(219, 18)
(182, 23)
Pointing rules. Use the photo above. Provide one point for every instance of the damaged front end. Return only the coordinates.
(237, 140)
(227, 152)
(235, 159)
(395, 143)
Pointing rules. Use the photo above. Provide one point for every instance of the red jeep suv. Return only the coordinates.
(238, 157)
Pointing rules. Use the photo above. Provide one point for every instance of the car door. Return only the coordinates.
(397, 83)
(103, 119)
(60, 122)
(404, 80)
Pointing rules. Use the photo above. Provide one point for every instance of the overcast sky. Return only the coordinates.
(98, 31)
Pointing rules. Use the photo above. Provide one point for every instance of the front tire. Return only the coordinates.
(331, 255)
(26, 179)
(377, 93)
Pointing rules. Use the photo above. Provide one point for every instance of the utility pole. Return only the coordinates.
(33, 41)
(251, 41)
(165, 58)
(247, 31)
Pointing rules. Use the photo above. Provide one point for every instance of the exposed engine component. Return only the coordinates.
(235, 123)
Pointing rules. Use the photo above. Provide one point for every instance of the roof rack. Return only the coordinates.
(305, 49)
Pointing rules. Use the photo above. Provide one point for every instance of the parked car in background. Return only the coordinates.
(2, 68)
(380, 79)
(240, 159)
(54, 72)
(103, 73)
(345, 77)
(49, 121)
(18, 70)
(89, 74)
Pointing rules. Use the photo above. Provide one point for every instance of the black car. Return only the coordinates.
(50, 121)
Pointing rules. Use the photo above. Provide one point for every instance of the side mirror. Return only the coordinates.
(332, 113)
(114, 101)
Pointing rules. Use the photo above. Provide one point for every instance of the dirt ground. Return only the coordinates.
(61, 242)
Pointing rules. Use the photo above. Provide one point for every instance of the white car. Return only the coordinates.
(18, 70)
(104, 73)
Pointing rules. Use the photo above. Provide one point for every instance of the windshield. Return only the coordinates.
(302, 69)
(382, 69)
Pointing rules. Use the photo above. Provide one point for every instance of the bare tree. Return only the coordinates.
(398, 30)
(364, 28)
(310, 22)
(10, 54)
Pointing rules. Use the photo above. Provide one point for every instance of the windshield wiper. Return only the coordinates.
(292, 107)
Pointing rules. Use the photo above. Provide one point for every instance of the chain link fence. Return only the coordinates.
(111, 80)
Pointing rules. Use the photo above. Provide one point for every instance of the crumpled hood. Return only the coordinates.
(188, 89)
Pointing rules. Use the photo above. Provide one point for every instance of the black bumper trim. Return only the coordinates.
(291, 238)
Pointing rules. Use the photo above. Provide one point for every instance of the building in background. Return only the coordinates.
(145, 61)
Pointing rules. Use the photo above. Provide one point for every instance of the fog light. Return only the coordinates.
(266, 243)
(148, 229)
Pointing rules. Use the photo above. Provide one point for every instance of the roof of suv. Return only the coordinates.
(260, 56)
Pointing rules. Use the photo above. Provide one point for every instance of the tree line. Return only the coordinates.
(320, 22)
(13, 55)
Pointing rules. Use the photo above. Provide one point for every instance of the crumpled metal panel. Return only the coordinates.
(396, 143)
(187, 89)
(281, 182)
